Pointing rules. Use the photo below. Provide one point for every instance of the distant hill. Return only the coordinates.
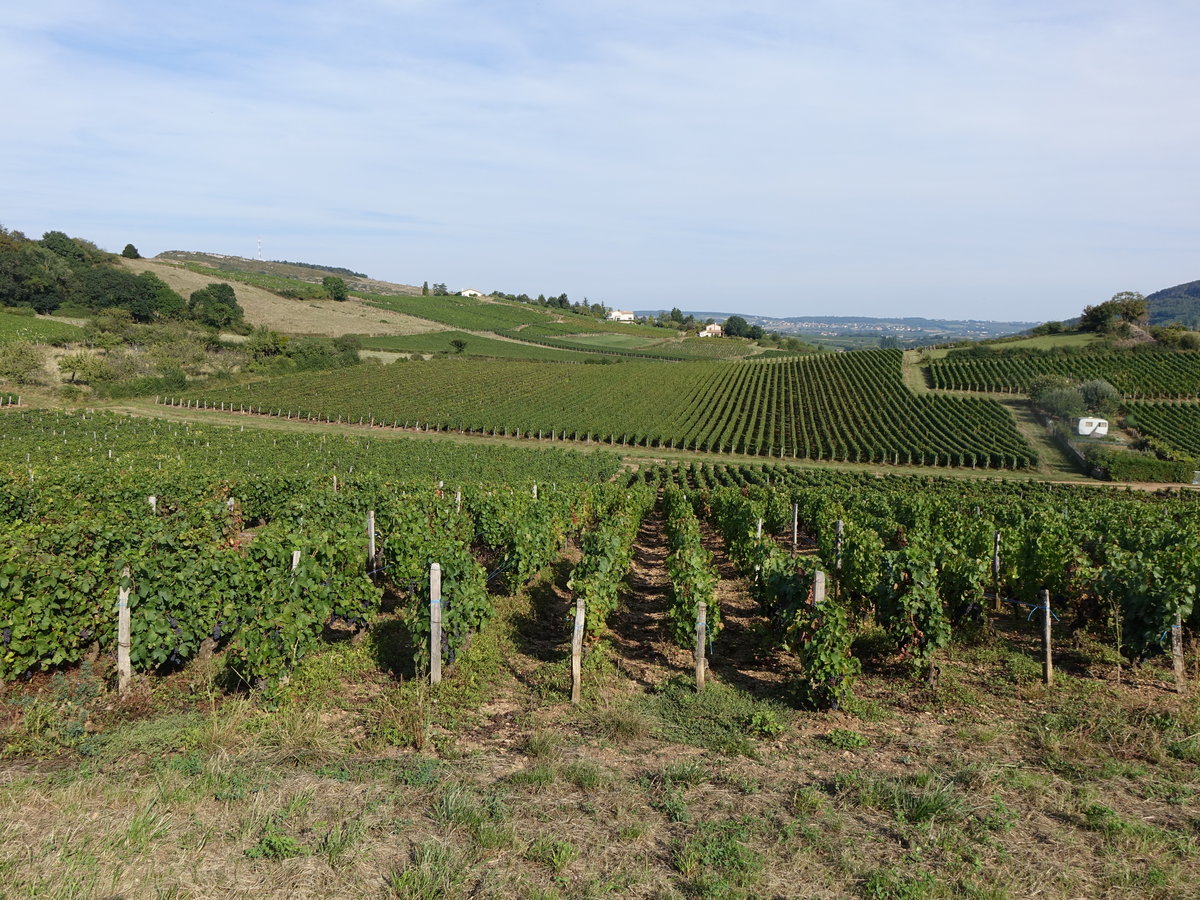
(300, 271)
(851, 332)
(1176, 305)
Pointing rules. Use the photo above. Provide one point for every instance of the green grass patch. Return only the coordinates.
(37, 330)
(719, 718)
(473, 345)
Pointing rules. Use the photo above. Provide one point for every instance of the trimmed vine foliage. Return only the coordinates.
(916, 560)
(691, 570)
(820, 634)
(211, 562)
(607, 546)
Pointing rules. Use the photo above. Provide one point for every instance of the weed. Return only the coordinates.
(486, 819)
(274, 843)
(844, 739)
(543, 744)
(623, 724)
(540, 775)
(688, 773)
(890, 884)
(631, 832)
(584, 774)
(764, 723)
(555, 854)
(913, 799)
(340, 839)
(1000, 818)
(808, 800)
(1022, 669)
(435, 872)
(145, 827)
(58, 720)
(672, 805)
(716, 719)
(715, 858)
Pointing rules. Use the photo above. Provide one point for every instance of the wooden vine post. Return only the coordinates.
(818, 589)
(1048, 663)
(1177, 653)
(577, 651)
(124, 644)
(371, 541)
(701, 640)
(435, 624)
(996, 570)
(795, 526)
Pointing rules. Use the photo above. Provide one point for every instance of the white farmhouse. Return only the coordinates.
(470, 292)
(621, 315)
(711, 331)
(1093, 427)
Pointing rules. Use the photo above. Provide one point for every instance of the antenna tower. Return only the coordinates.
(260, 248)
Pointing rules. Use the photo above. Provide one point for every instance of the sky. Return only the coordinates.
(1010, 160)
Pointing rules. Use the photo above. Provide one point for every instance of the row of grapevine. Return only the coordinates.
(691, 570)
(259, 564)
(783, 585)
(1146, 375)
(608, 552)
(850, 407)
(1171, 428)
(918, 556)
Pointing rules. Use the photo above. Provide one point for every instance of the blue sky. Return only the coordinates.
(945, 158)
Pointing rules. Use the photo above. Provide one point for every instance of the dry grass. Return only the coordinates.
(268, 310)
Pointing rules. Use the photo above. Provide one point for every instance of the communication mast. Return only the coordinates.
(259, 249)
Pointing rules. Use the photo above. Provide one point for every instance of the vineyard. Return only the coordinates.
(847, 407)
(240, 540)
(318, 760)
(1137, 375)
(439, 342)
(1173, 428)
(920, 566)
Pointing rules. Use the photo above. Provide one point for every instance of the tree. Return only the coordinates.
(264, 343)
(131, 252)
(459, 345)
(20, 362)
(1100, 397)
(425, 289)
(335, 287)
(215, 306)
(439, 289)
(736, 326)
(1126, 306)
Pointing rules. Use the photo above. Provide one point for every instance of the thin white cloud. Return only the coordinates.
(752, 156)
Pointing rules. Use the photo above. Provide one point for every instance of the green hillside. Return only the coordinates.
(37, 329)
(1176, 305)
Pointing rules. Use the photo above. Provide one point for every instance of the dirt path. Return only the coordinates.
(744, 655)
(638, 627)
